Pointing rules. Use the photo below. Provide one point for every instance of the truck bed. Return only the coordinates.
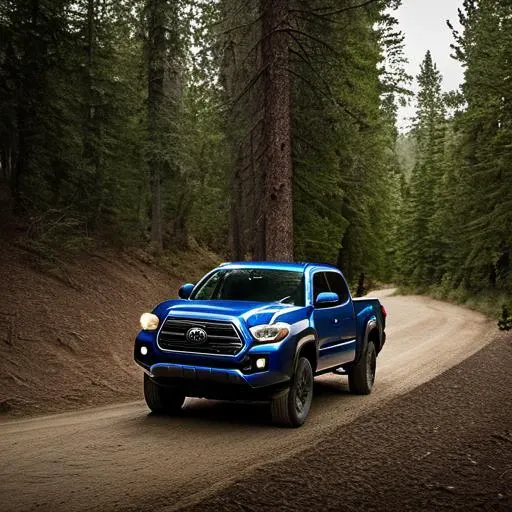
(360, 304)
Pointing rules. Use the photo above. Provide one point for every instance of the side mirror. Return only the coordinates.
(326, 299)
(185, 291)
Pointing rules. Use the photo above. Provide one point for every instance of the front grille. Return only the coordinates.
(222, 337)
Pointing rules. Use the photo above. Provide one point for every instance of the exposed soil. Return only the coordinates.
(445, 446)
(119, 457)
(66, 330)
(66, 335)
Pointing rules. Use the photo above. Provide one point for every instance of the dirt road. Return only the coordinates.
(121, 458)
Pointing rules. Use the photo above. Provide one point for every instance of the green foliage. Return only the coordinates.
(406, 153)
(505, 322)
(78, 130)
(346, 172)
(73, 124)
(457, 217)
(485, 241)
(432, 208)
(71, 119)
(422, 246)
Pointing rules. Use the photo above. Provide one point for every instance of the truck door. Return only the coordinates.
(335, 324)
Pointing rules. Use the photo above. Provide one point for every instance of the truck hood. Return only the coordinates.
(251, 313)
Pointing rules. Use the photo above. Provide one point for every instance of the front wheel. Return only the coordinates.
(291, 408)
(162, 400)
(362, 376)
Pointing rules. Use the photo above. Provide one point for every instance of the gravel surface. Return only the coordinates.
(445, 446)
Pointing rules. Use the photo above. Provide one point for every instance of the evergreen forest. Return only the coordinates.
(260, 129)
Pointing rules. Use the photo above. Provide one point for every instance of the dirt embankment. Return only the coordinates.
(66, 332)
(445, 446)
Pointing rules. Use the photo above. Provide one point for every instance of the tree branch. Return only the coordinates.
(251, 82)
(336, 11)
(330, 97)
(243, 25)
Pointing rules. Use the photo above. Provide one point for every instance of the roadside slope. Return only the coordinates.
(66, 333)
(447, 445)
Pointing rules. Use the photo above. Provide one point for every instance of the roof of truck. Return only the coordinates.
(277, 265)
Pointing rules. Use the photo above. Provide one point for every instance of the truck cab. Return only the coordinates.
(259, 331)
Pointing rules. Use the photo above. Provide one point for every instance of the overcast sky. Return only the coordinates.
(423, 23)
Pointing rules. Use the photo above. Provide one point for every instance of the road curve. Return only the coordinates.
(119, 457)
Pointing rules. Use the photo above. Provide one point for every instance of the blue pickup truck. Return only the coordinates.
(259, 331)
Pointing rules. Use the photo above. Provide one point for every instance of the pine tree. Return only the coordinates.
(344, 133)
(277, 168)
(342, 141)
(483, 248)
(421, 252)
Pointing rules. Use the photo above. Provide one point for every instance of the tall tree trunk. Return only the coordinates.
(28, 93)
(236, 225)
(277, 162)
(228, 79)
(20, 163)
(156, 58)
(94, 135)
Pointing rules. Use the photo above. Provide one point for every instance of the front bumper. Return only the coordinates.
(196, 373)
(217, 383)
(200, 371)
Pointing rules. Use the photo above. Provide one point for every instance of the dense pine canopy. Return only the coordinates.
(260, 129)
(457, 212)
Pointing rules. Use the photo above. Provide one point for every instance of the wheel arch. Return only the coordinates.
(371, 333)
(307, 346)
(374, 336)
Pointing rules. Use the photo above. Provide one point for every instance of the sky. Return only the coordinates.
(423, 22)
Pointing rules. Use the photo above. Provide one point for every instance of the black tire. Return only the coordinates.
(292, 408)
(162, 400)
(361, 377)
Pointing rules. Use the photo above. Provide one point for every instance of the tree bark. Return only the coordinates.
(156, 58)
(94, 135)
(277, 161)
(29, 86)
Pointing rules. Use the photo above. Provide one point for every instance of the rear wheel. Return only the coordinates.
(361, 377)
(162, 400)
(291, 408)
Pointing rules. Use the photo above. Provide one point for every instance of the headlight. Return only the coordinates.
(270, 333)
(149, 322)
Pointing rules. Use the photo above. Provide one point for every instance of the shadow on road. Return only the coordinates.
(200, 413)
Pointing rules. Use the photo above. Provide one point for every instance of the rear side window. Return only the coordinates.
(320, 284)
(338, 285)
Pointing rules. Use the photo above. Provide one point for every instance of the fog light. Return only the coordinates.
(261, 363)
(144, 350)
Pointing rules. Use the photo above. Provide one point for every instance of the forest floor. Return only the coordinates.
(67, 329)
(447, 445)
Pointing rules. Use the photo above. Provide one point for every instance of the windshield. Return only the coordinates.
(259, 285)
